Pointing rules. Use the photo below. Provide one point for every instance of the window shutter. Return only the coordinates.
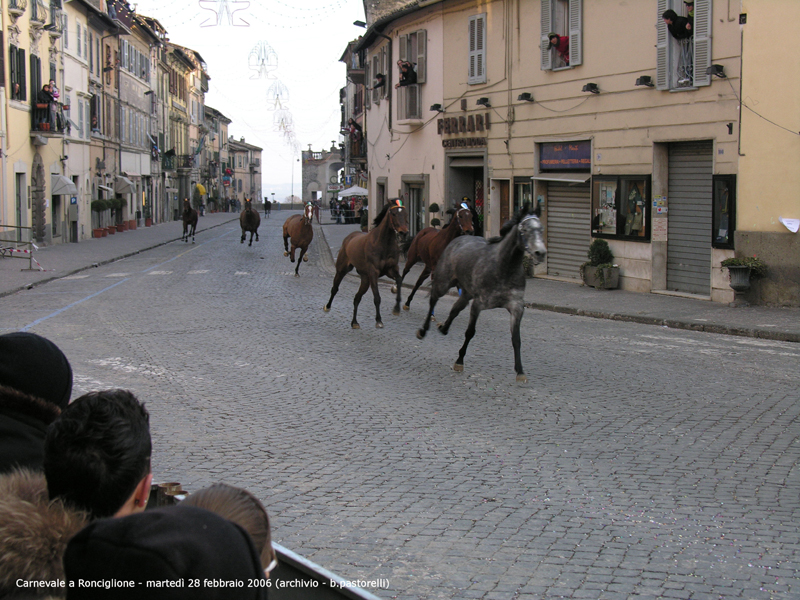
(412, 102)
(385, 69)
(23, 89)
(662, 48)
(12, 63)
(477, 49)
(78, 26)
(422, 51)
(375, 66)
(368, 78)
(66, 30)
(702, 42)
(575, 36)
(546, 27)
(80, 118)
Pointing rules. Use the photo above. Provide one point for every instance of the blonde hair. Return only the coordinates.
(241, 507)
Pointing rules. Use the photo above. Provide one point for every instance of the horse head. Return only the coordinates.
(531, 237)
(398, 219)
(248, 204)
(308, 214)
(463, 218)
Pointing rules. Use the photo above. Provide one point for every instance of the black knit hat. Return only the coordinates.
(35, 366)
(176, 543)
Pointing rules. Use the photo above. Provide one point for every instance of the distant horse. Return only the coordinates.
(189, 221)
(428, 245)
(373, 255)
(267, 208)
(490, 273)
(299, 228)
(249, 219)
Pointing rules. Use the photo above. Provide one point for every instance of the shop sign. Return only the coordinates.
(464, 124)
(464, 142)
(561, 156)
(335, 187)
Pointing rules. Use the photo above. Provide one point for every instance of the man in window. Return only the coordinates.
(380, 81)
(679, 27)
(561, 44)
(408, 76)
(682, 29)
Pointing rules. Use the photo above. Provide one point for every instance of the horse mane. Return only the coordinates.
(381, 214)
(511, 223)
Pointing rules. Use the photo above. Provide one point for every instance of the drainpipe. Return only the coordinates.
(4, 189)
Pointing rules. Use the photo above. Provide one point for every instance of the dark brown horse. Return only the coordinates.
(373, 255)
(189, 221)
(299, 228)
(428, 245)
(249, 219)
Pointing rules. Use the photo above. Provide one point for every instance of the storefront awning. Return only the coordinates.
(62, 186)
(106, 188)
(563, 178)
(466, 162)
(123, 185)
(132, 175)
(201, 188)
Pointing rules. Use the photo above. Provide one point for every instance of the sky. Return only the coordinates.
(274, 71)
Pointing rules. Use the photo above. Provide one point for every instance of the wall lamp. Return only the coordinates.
(359, 24)
(148, 93)
(437, 107)
(645, 80)
(591, 87)
(525, 96)
(717, 70)
(483, 102)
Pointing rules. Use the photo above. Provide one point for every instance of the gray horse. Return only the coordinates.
(490, 273)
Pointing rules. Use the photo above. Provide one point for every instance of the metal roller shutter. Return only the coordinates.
(690, 193)
(568, 228)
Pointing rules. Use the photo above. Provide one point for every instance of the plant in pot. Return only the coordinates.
(742, 270)
(98, 207)
(600, 271)
(434, 209)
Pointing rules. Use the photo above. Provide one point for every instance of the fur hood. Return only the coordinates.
(33, 533)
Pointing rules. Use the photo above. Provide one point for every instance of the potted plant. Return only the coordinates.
(600, 271)
(98, 207)
(433, 209)
(743, 269)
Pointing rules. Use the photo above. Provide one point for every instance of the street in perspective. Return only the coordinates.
(637, 461)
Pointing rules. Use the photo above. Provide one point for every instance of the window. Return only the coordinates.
(724, 211)
(80, 118)
(16, 58)
(91, 53)
(412, 48)
(523, 192)
(620, 207)
(36, 76)
(78, 27)
(85, 43)
(477, 49)
(94, 113)
(564, 18)
(66, 31)
(376, 92)
(683, 63)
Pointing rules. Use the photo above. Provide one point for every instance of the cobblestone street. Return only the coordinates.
(637, 460)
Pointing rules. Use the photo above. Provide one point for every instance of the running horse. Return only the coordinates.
(491, 275)
(189, 217)
(373, 255)
(249, 220)
(300, 230)
(428, 245)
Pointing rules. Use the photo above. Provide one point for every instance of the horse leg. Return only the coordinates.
(425, 272)
(362, 289)
(285, 243)
(516, 318)
(299, 260)
(460, 305)
(251, 239)
(244, 236)
(336, 281)
(291, 256)
(426, 325)
(377, 297)
(473, 318)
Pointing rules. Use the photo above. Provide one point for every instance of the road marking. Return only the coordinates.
(199, 272)
(117, 274)
(75, 277)
(242, 273)
(160, 273)
(60, 310)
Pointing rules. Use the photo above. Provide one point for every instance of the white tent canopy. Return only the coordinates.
(353, 191)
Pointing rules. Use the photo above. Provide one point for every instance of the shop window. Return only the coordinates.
(620, 207)
(523, 192)
(477, 49)
(682, 63)
(563, 18)
(724, 211)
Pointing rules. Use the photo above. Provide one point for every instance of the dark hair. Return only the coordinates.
(669, 14)
(98, 451)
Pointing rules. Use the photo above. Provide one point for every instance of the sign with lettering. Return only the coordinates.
(464, 124)
(561, 156)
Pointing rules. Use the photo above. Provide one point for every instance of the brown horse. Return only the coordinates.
(428, 245)
(249, 219)
(373, 255)
(299, 228)
(189, 217)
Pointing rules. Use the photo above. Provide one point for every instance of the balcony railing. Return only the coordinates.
(185, 161)
(48, 118)
(168, 163)
(39, 12)
(17, 7)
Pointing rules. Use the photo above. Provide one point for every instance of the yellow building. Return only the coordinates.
(616, 128)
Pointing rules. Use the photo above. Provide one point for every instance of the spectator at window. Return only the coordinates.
(681, 28)
(355, 129)
(408, 76)
(380, 81)
(561, 44)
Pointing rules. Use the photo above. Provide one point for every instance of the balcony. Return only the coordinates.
(17, 7)
(168, 162)
(48, 119)
(56, 25)
(39, 13)
(185, 161)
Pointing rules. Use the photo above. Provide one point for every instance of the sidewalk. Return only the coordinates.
(677, 312)
(60, 260)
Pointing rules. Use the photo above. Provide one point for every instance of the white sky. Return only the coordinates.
(308, 37)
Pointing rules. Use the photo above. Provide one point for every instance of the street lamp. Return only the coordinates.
(292, 196)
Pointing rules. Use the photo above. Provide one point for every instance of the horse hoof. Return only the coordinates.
(458, 368)
(355, 326)
(406, 307)
(286, 254)
(305, 259)
(396, 313)
(394, 289)
(420, 334)
(521, 378)
(441, 329)
(378, 325)
(241, 242)
(326, 309)
(297, 274)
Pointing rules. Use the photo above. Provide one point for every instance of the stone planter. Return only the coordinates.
(609, 280)
(148, 222)
(111, 229)
(132, 224)
(120, 227)
(740, 278)
(98, 233)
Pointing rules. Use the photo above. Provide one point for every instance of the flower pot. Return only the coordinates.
(132, 224)
(148, 222)
(120, 227)
(98, 233)
(607, 280)
(111, 230)
(740, 278)
(105, 232)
